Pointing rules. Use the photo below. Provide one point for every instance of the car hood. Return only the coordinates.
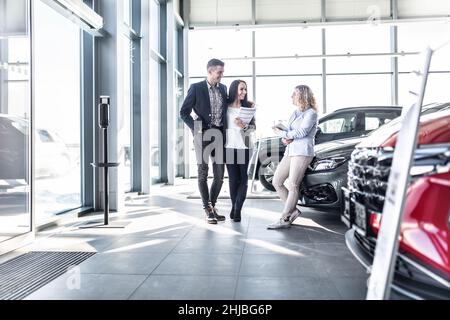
(337, 148)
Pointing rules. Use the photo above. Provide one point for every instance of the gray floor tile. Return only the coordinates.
(176, 231)
(323, 236)
(279, 246)
(91, 286)
(200, 264)
(214, 245)
(345, 266)
(142, 245)
(189, 259)
(294, 233)
(332, 250)
(351, 288)
(122, 263)
(213, 231)
(280, 265)
(285, 288)
(162, 287)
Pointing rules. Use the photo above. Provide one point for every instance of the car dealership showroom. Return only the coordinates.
(241, 150)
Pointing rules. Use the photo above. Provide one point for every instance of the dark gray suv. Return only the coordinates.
(341, 124)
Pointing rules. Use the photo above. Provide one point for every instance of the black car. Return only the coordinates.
(327, 174)
(340, 124)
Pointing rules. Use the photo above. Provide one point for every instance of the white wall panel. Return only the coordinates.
(288, 10)
(358, 9)
(212, 11)
(420, 8)
(203, 11)
(235, 10)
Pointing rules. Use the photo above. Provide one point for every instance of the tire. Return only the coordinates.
(266, 172)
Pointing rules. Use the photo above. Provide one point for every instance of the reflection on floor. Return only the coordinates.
(169, 252)
(14, 214)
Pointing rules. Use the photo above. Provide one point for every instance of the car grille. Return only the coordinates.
(367, 243)
(368, 174)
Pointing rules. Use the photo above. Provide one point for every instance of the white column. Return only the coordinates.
(145, 97)
(171, 99)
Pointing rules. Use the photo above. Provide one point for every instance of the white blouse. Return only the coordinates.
(234, 136)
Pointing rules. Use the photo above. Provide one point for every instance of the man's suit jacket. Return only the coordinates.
(197, 99)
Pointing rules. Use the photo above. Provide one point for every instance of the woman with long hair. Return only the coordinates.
(238, 146)
(299, 141)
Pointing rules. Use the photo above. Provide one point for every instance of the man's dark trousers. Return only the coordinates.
(209, 144)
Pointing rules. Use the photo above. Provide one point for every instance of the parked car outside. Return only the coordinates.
(51, 153)
(423, 260)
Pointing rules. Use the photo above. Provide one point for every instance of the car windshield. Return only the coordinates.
(384, 132)
(426, 109)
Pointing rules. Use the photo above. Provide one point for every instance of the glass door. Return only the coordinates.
(15, 122)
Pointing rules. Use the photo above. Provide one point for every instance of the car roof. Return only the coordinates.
(362, 108)
(367, 108)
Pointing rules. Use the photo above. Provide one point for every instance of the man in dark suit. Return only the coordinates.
(208, 99)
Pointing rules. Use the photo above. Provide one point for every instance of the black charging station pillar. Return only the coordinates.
(103, 123)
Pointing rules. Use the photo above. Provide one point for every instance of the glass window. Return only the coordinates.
(15, 211)
(14, 175)
(154, 25)
(124, 119)
(345, 122)
(332, 126)
(288, 66)
(57, 113)
(358, 90)
(373, 120)
(358, 39)
(274, 102)
(416, 37)
(207, 44)
(359, 64)
(126, 11)
(436, 89)
(288, 42)
(155, 156)
(372, 123)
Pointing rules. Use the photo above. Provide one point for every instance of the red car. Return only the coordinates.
(423, 261)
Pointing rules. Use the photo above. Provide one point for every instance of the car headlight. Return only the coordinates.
(328, 164)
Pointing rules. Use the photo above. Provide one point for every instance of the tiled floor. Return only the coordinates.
(169, 252)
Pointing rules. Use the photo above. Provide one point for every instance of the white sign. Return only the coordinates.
(387, 243)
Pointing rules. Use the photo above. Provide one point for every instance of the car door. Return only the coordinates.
(341, 125)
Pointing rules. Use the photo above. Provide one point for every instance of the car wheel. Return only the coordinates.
(266, 172)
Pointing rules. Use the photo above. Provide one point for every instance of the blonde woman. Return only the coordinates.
(299, 141)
